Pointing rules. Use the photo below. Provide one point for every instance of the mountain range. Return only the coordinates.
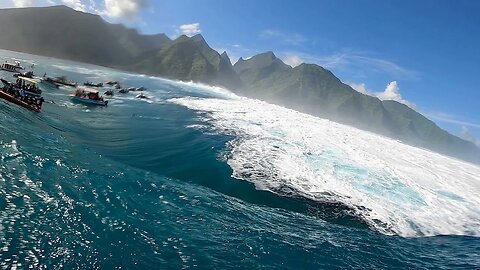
(62, 32)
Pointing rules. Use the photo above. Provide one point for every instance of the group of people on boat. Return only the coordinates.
(23, 92)
(88, 96)
(85, 94)
(19, 93)
(23, 84)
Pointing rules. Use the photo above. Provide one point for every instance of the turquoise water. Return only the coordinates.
(133, 186)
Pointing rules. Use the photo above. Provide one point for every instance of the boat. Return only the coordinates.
(88, 96)
(36, 107)
(11, 92)
(113, 84)
(63, 81)
(27, 86)
(28, 74)
(11, 67)
(108, 93)
(124, 91)
(142, 96)
(49, 82)
(137, 89)
(90, 84)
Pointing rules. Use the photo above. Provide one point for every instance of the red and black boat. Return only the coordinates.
(24, 93)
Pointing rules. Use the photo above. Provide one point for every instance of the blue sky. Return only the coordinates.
(423, 53)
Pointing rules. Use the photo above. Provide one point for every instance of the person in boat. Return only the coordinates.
(11, 90)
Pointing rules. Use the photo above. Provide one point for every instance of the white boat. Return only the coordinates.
(11, 67)
(88, 96)
(142, 96)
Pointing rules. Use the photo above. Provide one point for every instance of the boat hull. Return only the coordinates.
(93, 84)
(90, 101)
(19, 102)
(66, 83)
(49, 83)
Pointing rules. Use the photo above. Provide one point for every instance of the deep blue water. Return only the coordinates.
(133, 186)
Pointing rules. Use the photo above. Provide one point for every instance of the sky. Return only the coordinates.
(425, 54)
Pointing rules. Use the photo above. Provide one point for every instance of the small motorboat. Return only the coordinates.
(88, 96)
(11, 67)
(116, 86)
(124, 91)
(142, 96)
(63, 81)
(111, 83)
(49, 82)
(28, 74)
(140, 88)
(108, 93)
(90, 84)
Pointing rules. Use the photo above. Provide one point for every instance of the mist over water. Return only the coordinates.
(199, 177)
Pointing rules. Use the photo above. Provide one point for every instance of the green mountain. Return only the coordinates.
(259, 67)
(62, 32)
(226, 58)
(188, 59)
(309, 88)
(412, 127)
(314, 90)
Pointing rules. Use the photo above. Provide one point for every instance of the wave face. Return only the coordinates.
(396, 188)
(196, 176)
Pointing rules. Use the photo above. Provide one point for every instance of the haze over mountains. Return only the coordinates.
(65, 33)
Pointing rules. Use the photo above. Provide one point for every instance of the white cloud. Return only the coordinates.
(127, 9)
(190, 29)
(292, 60)
(391, 92)
(75, 4)
(448, 118)
(359, 87)
(23, 3)
(357, 62)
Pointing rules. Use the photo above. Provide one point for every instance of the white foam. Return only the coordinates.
(413, 191)
(198, 88)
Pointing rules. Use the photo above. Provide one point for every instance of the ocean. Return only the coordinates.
(198, 177)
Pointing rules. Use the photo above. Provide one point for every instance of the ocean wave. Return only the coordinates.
(395, 187)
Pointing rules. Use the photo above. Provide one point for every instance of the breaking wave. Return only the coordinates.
(395, 188)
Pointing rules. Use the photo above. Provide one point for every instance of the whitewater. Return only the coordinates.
(411, 191)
